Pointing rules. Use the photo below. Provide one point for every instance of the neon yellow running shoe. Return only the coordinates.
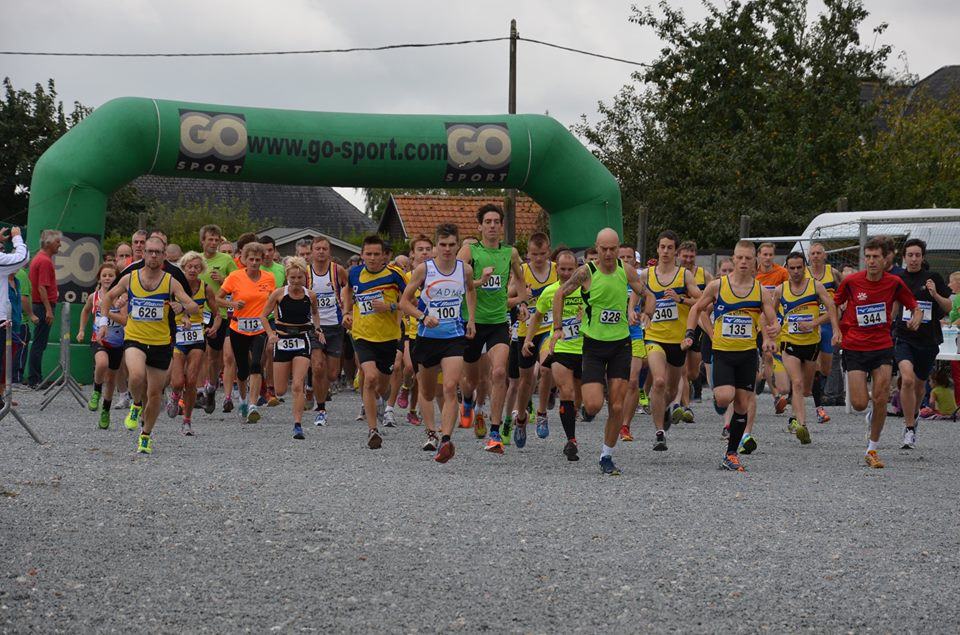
(145, 444)
(133, 417)
(643, 400)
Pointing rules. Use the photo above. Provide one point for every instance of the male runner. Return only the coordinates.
(771, 275)
(673, 290)
(606, 334)
(800, 299)
(867, 342)
(218, 266)
(495, 268)
(326, 279)
(690, 373)
(738, 301)
(830, 278)
(370, 311)
(628, 256)
(444, 284)
(147, 342)
(916, 350)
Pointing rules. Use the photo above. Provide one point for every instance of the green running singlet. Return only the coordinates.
(491, 297)
(606, 312)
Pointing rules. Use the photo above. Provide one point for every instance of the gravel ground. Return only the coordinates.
(241, 528)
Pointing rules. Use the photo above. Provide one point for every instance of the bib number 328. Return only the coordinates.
(608, 316)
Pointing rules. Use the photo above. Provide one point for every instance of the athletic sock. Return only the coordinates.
(568, 418)
(98, 387)
(606, 451)
(322, 404)
(541, 414)
(872, 445)
(817, 389)
(107, 403)
(495, 427)
(912, 428)
(445, 438)
(738, 423)
(138, 404)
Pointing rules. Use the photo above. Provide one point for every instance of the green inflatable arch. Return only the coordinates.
(129, 137)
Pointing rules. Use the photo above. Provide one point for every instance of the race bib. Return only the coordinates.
(609, 316)
(493, 283)
(446, 310)
(291, 344)
(666, 311)
(870, 315)
(546, 321)
(571, 328)
(924, 305)
(737, 327)
(192, 335)
(249, 325)
(365, 301)
(515, 332)
(146, 309)
(326, 300)
(794, 322)
(207, 317)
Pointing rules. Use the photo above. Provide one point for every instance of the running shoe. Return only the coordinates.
(363, 413)
(389, 419)
(571, 451)
(244, 410)
(748, 444)
(403, 398)
(644, 400)
(660, 442)
(173, 405)
(104, 422)
(520, 432)
(909, 439)
(479, 425)
(201, 400)
(640, 410)
(145, 444)
(413, 418)
(272, 399)
(253, 415)
(607, 466)
(792, 425)
(584, 416)
(445, 452)
(185, 428)
(320, 419)
(94, 402)
(374, 440)
(676, 414)
(124, 402)
(466, 415)
(780, 403)
(687, 415)
(803, 433)
(822, 416)
(731, 462)
(227, 404)
(431, 443)
(298, 432)
(133, 417)
(543, 426)
(494, 443)
(506, 430)
(625, 434)
(261, 401)
(872, 459)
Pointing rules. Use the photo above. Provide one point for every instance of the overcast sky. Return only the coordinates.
(465, 79)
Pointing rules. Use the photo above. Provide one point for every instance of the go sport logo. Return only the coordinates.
(212, 142)
(478, 153)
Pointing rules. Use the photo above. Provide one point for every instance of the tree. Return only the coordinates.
(754, 110)
(29, 124)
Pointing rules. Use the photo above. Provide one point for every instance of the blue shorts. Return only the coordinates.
(826, 338)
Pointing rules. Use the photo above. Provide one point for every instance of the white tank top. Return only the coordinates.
(442, 297)
(328, 295)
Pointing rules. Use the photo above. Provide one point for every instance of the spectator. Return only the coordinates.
(26, 307)
(43, 279)
(9, 263)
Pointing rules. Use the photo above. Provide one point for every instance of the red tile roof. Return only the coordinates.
(422, 214)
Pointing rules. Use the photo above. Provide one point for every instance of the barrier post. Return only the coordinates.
(8, 408)
(66, 380)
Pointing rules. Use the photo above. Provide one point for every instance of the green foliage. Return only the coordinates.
(754, 110)
(29, 124)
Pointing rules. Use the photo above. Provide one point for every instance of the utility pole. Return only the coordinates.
(511, 211)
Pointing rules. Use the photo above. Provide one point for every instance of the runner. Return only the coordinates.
(495, 268)
(370, 311)
(326, 280)
(444, 283)
(268, 394)
(147, 350)
(218, 266)
(724, 268)
(538, 273)
(867, 342)
(421, 250)
(916, 350)
(770, 275)
(690, 373)
(296, 316)
(829, 277)
(229, 359)
(632, 400)
(800, 299)
(190, 343)
(673, 290)
(248, 289)
(606, 335)
(108, 353)
(738, 301)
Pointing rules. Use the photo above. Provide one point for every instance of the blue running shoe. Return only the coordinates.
(543, 428)
(244, 410)
(520, 432)
(298, 432)
(607, 466)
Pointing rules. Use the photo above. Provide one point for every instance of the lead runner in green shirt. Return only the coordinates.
(219, 266)
(565, 348)
(496, 269)
(607, 352)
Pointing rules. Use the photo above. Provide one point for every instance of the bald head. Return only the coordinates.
(606, 235)
(608, 244)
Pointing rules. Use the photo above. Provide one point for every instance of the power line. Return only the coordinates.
(356, 49)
